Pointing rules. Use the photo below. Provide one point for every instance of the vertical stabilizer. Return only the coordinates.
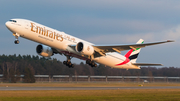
(133, 54)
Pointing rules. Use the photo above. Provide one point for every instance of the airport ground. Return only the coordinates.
(132, 92)
(90, 84)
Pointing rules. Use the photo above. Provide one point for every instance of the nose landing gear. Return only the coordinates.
(16, 41)
(16, 36)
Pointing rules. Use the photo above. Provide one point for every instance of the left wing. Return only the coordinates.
(56, 51)
(119, 48)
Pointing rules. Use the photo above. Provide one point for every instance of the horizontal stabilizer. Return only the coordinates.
(146, 64)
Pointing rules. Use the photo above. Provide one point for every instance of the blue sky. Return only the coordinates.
(100, 22)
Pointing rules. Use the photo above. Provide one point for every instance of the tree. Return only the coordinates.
(12, 76)
(28, 76)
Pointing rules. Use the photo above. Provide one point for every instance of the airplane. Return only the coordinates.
(53, 42)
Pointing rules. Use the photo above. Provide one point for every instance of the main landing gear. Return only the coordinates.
(68, 62)
(91, 63)
(16, 36)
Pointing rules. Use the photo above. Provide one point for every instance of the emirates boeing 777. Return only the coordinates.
(57, 42)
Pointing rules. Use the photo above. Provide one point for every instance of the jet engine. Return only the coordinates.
(44, 50)
(84, 49)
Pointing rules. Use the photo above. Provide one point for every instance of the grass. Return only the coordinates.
(93, 95)
(86, 84)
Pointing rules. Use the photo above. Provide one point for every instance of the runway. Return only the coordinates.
(82, 88)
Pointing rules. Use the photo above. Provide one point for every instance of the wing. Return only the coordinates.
(56, 51)
(146, 64)
(119, 48)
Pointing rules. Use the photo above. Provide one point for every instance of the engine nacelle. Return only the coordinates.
(44, 50)
(84, 49)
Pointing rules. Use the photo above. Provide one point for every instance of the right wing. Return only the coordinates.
(118, 48)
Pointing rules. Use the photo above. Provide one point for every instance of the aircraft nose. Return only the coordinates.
(9, 26)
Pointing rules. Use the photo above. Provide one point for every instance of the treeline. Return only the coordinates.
(14, 65)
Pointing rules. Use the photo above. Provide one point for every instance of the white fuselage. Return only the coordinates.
(60, 41)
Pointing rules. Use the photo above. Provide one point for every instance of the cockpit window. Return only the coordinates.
(12, 20)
